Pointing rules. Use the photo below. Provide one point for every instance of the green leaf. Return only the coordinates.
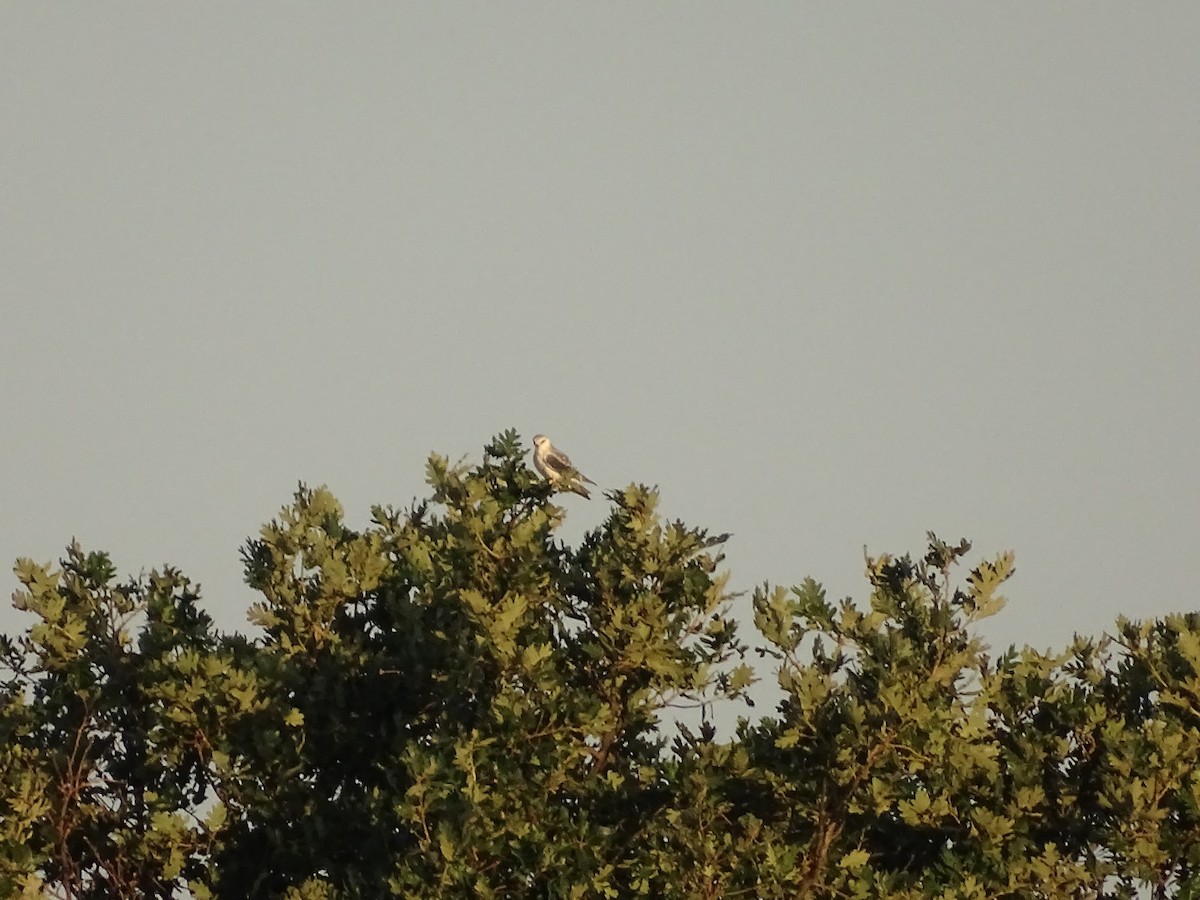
(854, 860)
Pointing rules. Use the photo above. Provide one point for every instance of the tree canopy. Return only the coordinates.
(453, 702)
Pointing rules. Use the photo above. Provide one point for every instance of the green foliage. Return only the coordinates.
(453, 702)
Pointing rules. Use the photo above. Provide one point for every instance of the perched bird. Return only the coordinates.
(557, 468)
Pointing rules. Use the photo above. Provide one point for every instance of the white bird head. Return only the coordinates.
(539, 439)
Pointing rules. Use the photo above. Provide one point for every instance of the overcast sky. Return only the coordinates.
(831, 275)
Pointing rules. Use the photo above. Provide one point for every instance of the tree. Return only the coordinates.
(453, 702)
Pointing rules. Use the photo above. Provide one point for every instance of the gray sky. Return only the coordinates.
(829, 274)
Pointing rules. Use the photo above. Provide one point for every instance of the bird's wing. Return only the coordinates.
(558, 461)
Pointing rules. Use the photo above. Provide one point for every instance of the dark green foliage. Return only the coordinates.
(453, 703)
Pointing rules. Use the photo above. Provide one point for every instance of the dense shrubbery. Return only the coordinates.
(454, 703)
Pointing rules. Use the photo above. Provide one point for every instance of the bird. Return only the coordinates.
(557, 468)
